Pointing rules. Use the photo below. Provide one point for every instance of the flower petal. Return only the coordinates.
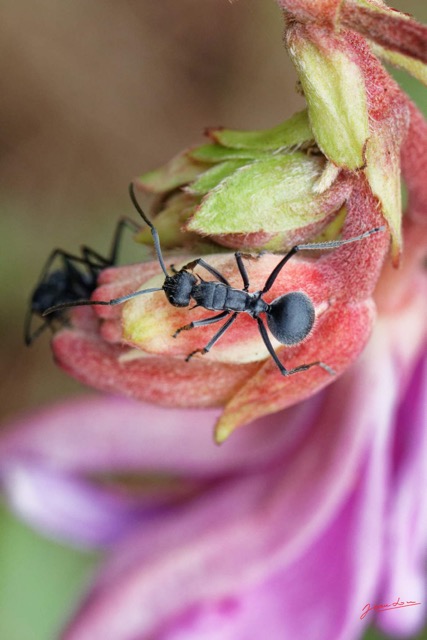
(122, 435)
(66, 507)
(317, 596)
(261, 524)
(406, 525)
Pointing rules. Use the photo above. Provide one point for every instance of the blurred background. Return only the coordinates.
(94, 93)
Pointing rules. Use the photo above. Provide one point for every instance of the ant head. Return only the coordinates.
(290, 318)
(178, 288)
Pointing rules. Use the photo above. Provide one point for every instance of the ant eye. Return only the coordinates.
(290, 318)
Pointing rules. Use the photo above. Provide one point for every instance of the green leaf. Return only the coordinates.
(275, 195)
(292, 132)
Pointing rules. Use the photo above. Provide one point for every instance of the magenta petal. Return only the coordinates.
(108, 433)
(49, 462)
(321, 594)
(66, 507)
(239, 535)
(405, 556)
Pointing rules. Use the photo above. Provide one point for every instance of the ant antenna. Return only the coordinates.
(86, 303)
(152, 227)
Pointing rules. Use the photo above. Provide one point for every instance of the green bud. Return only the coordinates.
(180, 170)
(169, 222)
(213, 176)
(213, 153)
(335, 92)
(278, 196)
(293, 132)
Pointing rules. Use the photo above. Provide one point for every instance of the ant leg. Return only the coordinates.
(273, 275)
(117, 238)
(201, 323)
(90, 254)
(318, 246)
(205, 265)
(28, 336)
(215, 339)
(66, 257)
(242, 270)
(94, 261)
(282, 369)
(304, 367)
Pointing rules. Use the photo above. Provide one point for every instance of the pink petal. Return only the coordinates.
(319, 594)
(110, 434)
(240, 536)
(406, 525)
(66, 507)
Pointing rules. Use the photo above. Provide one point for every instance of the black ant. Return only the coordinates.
(290, 317)
(75, 278)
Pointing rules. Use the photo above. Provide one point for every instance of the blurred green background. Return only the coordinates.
(93, 93)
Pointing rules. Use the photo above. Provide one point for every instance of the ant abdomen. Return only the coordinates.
(290, 318)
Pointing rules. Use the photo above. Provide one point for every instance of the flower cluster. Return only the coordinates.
(331, 169)
(318, 507)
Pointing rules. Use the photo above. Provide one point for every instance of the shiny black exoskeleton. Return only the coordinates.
(74, 278)
(290, 317)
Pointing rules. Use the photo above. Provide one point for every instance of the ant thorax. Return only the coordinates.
(256, 304)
